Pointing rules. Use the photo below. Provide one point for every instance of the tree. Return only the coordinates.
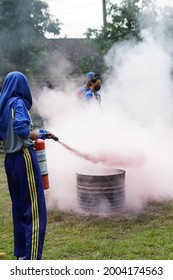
(126, 20)
(23, 28)
(122, 24)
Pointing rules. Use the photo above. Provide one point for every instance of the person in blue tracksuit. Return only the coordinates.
(22, 168)
(93, 94)
(83, 89)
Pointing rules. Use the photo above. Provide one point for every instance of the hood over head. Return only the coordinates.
(15, 86)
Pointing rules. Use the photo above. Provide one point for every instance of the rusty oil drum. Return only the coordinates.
(101, 194)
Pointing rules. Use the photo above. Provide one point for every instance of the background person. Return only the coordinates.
(94, 88)
(83, 89)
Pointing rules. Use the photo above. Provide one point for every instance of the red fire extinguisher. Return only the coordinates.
(41, 157)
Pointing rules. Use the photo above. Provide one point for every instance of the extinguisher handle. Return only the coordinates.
(44, 134)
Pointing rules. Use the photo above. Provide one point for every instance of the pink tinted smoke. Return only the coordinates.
(133, 131)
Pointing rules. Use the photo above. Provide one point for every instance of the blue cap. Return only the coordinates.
(90, 75)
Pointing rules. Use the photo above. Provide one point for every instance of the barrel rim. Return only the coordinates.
(121, 171)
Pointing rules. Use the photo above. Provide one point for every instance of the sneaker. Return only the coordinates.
(20, 258)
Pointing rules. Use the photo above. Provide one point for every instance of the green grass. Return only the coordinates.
(147, 235)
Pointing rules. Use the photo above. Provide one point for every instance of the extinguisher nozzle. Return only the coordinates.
(55, 138)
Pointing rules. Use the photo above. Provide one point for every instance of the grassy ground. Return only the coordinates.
(148, 235)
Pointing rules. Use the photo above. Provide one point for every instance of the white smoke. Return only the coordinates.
(132, 131)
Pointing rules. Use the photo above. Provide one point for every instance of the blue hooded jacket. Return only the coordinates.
(15, 94)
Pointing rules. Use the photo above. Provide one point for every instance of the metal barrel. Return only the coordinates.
(101, 194)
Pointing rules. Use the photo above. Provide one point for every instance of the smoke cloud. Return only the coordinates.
(132, 130)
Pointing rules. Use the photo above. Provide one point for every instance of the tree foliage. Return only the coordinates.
(24, 24)
(23, 28)
(126, 20)
(122, 24)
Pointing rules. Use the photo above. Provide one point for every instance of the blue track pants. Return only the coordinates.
(28, 203)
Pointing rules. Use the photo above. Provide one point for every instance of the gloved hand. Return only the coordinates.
(43, 134)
